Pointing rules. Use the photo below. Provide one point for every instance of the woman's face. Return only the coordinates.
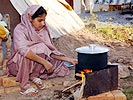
(38, 22)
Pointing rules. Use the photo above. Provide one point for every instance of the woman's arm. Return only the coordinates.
(64, 58)
(31, 55)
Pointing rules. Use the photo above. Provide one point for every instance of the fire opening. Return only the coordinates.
(85, 71)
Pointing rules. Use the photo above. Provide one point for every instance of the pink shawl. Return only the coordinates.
(27, 38)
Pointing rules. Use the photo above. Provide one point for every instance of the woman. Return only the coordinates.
(33, 56)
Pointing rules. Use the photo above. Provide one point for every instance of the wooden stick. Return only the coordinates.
(78, 74)
(80, 82)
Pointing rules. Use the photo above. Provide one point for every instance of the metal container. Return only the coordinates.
(92, 57)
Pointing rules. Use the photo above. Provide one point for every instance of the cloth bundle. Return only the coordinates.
(2, 32)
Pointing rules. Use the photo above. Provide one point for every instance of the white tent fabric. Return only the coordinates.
(59, 19)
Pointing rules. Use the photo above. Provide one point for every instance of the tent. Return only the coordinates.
(59, 19)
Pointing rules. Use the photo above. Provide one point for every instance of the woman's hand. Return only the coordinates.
(64, 58)
(49, 67)
(73, 61)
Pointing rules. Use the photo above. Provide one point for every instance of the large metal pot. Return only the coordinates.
(92, 57)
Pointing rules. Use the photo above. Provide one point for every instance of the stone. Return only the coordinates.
(1, 90)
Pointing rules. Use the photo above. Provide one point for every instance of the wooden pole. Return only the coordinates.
(79, 82)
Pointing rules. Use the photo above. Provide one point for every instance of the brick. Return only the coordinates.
(2, 90)
(119, 95)
(9, 82)
(1, 80)
(102, 96)
(16, 88)
(12, 89)
(112, 95)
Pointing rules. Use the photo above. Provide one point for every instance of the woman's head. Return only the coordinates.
(38, 18)
(34, 16)
(39, 12)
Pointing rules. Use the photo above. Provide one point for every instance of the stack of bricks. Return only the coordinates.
(8, 84)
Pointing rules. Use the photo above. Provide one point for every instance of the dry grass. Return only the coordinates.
(112, 32)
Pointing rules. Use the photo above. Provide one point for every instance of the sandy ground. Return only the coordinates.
(119, 52)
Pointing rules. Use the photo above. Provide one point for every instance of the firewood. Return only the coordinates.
(79, 82)
(78, 74)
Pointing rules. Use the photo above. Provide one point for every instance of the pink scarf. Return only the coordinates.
(25, 36)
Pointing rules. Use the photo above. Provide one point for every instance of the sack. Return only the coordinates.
(2, 32)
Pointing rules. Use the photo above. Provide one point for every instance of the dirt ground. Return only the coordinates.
(120, 52)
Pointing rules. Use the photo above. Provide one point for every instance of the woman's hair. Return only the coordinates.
(40, 11)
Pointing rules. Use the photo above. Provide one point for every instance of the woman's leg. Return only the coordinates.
(36, 71)
(23, 77)
(23, 73)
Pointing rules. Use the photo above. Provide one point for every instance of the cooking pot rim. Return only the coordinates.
(97, 49)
